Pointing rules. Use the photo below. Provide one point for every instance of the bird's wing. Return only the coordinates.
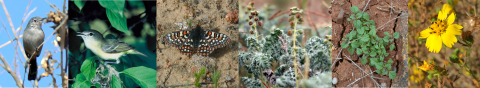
(115, 46)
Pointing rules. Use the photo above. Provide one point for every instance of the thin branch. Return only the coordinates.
(361, 69)
(9, 70)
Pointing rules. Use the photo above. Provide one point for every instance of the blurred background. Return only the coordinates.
(17, 9)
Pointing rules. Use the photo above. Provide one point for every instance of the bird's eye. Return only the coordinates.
(90, 34)
(34, 20)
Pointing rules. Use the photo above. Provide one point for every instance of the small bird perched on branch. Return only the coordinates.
(107, 49)
(33, 38)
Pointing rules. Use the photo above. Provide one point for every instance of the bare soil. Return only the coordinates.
(174, 68)
(379, 10)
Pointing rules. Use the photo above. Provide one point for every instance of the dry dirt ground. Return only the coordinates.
(344, 69)
(174, 68)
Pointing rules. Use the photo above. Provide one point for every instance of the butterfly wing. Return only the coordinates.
(181, 40)
(211, 41)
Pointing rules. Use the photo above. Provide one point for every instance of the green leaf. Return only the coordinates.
(365, 49)
(118, 21)
(79, 4)
(352, 16)
(385, 39)
(359, 51)
(143, 76)
(350, 50)
(351, 35)
(81, 82)
(373, 54)
(115, 5)
(361, 30)
(344, 45)
(88, 68)
(392, 47)
(364, 60)
(373, 32)
(116, 82)
(372, 27)
(365, 16)
(354, 44)
(389, 66)
(348, 19)
(357, 24)
(359, 15)
(385, 53)
(380, 71)
(390, 61)
(379, 66)
(372, 22)
(386, 33)
(365, 38)
(354, 9)
(392, 74)
(396, 35)
(382, 58)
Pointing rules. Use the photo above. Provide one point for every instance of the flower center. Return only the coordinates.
(438, 27)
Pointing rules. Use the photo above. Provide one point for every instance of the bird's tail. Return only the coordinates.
(32, 72)
(139, 53)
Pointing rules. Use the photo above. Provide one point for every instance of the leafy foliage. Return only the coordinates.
(365, 43)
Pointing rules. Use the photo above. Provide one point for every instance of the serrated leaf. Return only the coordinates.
(365, 38)
(143, 76)
(392, 47)
(386, 33)
(392, 74)
(384, 72)
(379, 66)
(364, 60)
(359, 15)
(390, 61)
(385, 39)
(389, 66)
(344, 45)
(350, 50)
(365, 49)
(354, 44)
(373, 54)
(373, 32)
(361, 30)
(396, 35)
(372, 27)
(365, 16)
(359, 51)
(348, 19)
(351, 35)
(372, 22)
(354, 9)
(382, 58)
(357, 24)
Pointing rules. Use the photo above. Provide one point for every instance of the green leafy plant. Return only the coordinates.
(215, 77)
(365, 43)
(198, 76)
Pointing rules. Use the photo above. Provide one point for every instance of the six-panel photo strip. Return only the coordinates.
(239, 43)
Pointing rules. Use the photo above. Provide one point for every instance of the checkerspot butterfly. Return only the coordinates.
(196, 40)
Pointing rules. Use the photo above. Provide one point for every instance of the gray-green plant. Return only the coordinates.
(275, 51)
(216, 75)
(198, 76)
(365, 43)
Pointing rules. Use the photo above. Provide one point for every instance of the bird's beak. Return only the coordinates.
(80, 34)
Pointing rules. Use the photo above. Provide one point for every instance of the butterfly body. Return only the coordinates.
(196, 40)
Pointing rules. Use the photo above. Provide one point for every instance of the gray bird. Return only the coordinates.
(107, 49)
(33, 37)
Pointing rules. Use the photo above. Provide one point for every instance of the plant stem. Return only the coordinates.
(295, 49)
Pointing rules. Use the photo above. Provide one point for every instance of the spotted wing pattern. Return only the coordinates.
(196, 40)
(211, 41)
(182, 40)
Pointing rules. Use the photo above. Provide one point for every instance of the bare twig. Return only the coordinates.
(9, 70)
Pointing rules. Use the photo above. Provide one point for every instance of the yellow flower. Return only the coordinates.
(442, 31)
(417, 75)
(426, 66)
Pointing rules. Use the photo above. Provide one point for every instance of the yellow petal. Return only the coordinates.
(451, 19)
(442, 15)
(454, 29)
(434, 43)
(425, 33)
(448, 39)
